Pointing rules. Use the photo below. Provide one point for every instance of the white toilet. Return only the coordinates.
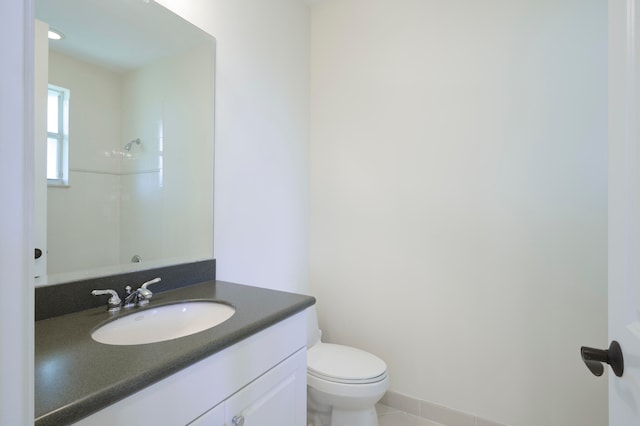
(343, 383)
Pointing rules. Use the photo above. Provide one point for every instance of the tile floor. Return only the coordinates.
(388, 416)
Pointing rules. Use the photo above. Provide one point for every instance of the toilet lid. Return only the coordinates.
(343, 363)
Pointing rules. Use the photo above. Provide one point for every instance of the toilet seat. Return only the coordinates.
(348, 381)
(344, 364)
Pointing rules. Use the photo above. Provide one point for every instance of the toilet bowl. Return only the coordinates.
(343, 383)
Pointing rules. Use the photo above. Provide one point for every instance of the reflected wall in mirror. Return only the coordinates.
(140, 140)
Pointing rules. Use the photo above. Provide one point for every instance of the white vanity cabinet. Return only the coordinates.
(215, 416)
(276, 398)
(261, 381)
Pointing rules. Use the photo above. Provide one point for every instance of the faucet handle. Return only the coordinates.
(144, 294)
(113, 304)
(153, 281)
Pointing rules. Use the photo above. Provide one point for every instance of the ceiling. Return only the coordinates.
(119, 34)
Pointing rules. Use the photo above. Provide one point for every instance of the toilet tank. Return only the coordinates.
(313, 330)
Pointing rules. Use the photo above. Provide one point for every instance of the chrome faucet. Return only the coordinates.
(141, 296)
(113, 304)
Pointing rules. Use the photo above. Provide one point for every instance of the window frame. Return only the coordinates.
(61, 137)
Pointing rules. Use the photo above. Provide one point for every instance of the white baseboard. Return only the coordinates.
(433, 412)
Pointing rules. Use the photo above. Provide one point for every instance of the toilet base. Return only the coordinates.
(330, 410)
(367, 417)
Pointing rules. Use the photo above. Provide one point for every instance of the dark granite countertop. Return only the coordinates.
(76, 376)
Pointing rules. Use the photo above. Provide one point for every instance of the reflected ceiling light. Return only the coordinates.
(55, 34)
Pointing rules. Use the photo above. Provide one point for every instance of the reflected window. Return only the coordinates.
(58, 136)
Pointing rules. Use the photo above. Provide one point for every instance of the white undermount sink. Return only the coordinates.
(165, 322)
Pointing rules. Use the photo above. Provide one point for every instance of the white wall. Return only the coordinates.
(261, 148)
(16, 193)
(459, 190)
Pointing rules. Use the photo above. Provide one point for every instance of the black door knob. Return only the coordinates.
(38, 253)
(593, 359)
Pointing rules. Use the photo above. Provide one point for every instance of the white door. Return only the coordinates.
(624, 207)
(41, 81)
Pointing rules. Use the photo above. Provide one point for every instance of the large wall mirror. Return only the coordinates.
(124, 139)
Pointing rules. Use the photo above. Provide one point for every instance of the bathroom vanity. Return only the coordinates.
(145, 77)
(250, 369)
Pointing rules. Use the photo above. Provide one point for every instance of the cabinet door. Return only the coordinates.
(213, 417)
(277, 398)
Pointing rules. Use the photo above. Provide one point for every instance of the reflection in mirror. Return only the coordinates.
(138, 191)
